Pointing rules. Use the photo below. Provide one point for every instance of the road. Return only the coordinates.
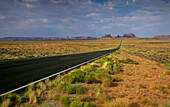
(16, 73)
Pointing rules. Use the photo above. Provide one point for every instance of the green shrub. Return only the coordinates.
(141, 86)
(68, 78)
(116, 69)
(41, 86)
(70, 89)
(27, 105)
(79, 89)
(155, 85)
(48, 83)
(78, 74)
(88, 79)
(5, 103)
(167, 65)
(87, 68)
(65, 100)
(107, 82)
(128, 61)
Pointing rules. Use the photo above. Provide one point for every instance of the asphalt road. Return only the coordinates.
(16, 73)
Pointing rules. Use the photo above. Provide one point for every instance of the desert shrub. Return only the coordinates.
(87, 68)
(41, 86)
(29, 56)
(167, 65)
(27, 105)
(38, 91)
(68, 78)
(30, 87)
(107, 82)
(6, 103)
(78, 74)
(155, 85)
(69, 89)
(65, 100)
(165, 104)
(167, 72)
(77, 103)
(50, 95)
(6, 96)
(79, 89)
(108, 66)
(141, 86)
(48, 83)
(128, 61)
(94, 64)
(88, 79)
(162, 90)
(168, 85)
(116, 69)
(115, 78)
(32, 97)
(44, 104)
(119, 102)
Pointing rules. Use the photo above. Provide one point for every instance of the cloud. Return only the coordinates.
(34, 20)
(133, 1)
(111, 25)
(28, 5)
(127, 2)
(68, 19)
(109, 5)
(93, 14)
(2, 16)
(30, 0)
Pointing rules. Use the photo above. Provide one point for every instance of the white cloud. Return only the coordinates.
(30, 5)
(93, 14)
(111, 25)
(68, 19)
(127, 2)
(2, 16)
(45, 20)
(34, 20)
(109, 5)
(133, 1)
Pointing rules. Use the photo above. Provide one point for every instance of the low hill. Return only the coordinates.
(162, 37)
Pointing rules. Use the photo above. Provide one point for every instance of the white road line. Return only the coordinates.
(52, 75)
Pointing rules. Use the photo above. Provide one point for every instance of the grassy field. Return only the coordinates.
(138, 75)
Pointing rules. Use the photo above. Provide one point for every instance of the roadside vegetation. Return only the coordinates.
(121, 79)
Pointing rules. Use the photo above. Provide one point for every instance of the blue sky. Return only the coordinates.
(61, 18)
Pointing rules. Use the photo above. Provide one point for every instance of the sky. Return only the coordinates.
(62, 18)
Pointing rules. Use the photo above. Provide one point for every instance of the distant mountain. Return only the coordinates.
(82, 38)
(129, 35)
(49, 38)
(106, 36)
(162, 37)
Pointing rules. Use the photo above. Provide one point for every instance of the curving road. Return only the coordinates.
(16, 73)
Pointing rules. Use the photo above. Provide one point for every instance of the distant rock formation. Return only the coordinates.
(129, 35)
(106, 36)
(83, 38)
(162, 37)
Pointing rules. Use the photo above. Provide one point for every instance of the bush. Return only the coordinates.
(78, 74)
(32, 97)
(87, 68)
(79, 89)
(41, 86)
(88, 79)
(141, 86)
(70, 89)
(77, 103)
(68, 78)
(167, 65)
(107, 82)
(48, 83)
(167, 72)
(119, 102)
(65, 100)
(155, 85)
(116, 69)
(5, 103)
(128, 61)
